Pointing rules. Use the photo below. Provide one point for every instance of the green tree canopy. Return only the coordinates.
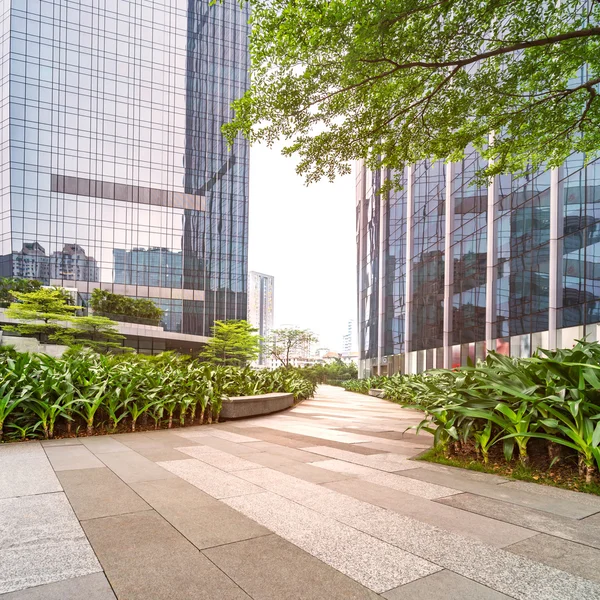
(94, 332)
(44, 311)
(125, 308)
(8, 285)
(233, 343)
(394, 81)
(284, 343)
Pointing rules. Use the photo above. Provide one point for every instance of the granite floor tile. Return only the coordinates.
(311, 472)
(561, 554)
(270, 568)
(211, 480)
(232, 437)
(24, 470)
(496, 568)
(423, 489)
(162, 453)
(95, 493)
(272, 460)
(347, 468)
(218, 458)
(131, 466)
(61, 442)
(41, 542)
(204, 521)
(369, 561)
(486, 530)
(583, 531)
(144, 557)
(67, 458)
(548, 491)
(382, 462)
(102, 444)
(316, 497)
(90, 587)
(406, 450)
(446, 585)
(224, 445)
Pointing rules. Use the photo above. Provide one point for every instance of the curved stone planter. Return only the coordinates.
(376, 393)
(251, 406)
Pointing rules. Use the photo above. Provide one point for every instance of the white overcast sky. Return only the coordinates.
(306, 238)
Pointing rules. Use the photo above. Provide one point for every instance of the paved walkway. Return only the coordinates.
(318, 503)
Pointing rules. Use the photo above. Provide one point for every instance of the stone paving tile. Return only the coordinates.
(217, 458)
(498, 569)
(423, 489)
(547, 491)
(484, 529)
(463, 473)
(90, 587)
(95, 493)
(272, 460)
(447, 585)
(68, 458)
(583, 531)
(132, 467)
(41, 542)
(211, 480)
(204, 521)
(61, 442)
(311, 472)
(232, 437)
(373, 563)
(310, 495)
(224, 445)
(161, 454)
(407, 450)
(293, 453)
(561, 554)
(347, 468)
(25, 470)
(144, 558)
(382, 462)
(470, 482)
(261, 567)
(103, 443)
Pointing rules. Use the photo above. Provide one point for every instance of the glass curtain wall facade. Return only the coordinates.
(114, 172)
(448, 270)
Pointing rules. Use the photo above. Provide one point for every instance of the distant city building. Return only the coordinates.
(261, 305)
(350, 340)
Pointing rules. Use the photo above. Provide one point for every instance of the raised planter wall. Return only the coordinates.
(251, 406)
(377, 393)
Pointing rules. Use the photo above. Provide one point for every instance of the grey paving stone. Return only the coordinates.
(549, 491)
(462, 473)
(318, 498)
(340, 466)
(211, 480)
(232, 437)
(145, 557)
(311, 472)
(584, 531)
(496, 568)
(487, 530)
(407, 450)
(41, 542)
(272, 460)
(67, 458)
(161, 453)
(220, 444)
(131, 466)
(270, 568)
(293, 453)
(561, 554)
(446, 585)
(204, 521)
(101, 444)
(95, 493)
(90, 587)
(61, 442)
(369, 561)
(25, 470)
(218, 458)
(423, 489)
(382, 462)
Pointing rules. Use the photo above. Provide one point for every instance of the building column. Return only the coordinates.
(448, 267)
(383, 204)
(360, 234)
(555, 262)
(409, 254)
(492, 252)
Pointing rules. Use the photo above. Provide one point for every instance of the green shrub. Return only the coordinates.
(125, 308)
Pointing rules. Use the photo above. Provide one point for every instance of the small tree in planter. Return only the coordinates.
(234, 343)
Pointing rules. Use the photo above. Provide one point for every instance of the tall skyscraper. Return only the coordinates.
(448, 270)
(261, 304)
(349, 338)
(113, 169)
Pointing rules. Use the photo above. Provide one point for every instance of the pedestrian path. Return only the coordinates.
(323, 502)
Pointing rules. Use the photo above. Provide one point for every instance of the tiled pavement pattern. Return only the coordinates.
(320, 502)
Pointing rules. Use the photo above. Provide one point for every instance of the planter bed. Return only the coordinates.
(251, 406)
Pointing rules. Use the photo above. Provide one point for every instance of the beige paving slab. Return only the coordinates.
(103, 443)
(387, 462)
(311, 472)
(90, 587)
(131, 466)
(415, 487)
(64, 458)
(219, 459)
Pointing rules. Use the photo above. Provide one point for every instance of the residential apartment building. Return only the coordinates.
(261, 305)
(113, 169)
(448, 269)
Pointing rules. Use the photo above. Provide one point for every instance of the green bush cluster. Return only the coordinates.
(125, 308)
(87, 391)
(8, 285)
(333, 373)
(553, 396)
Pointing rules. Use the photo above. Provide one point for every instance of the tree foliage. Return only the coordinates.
(8, 285)
(284, 343)
(94, 332)
(125, 308)
(234, 343)
(391, 82)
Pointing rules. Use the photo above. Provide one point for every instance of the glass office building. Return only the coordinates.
(448, 270)
(113, 169)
